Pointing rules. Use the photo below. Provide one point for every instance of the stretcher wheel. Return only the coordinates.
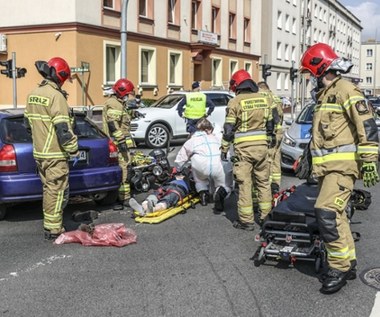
(259, 257)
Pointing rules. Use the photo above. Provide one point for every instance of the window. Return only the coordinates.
(147, 66)
(215, 20)
(108, 4)
(278, 50)
(194, 14)
(112, 62)
(368, 80)
(247, 30)
(278, 81)
(175, 68)
(293, 53)
(294, 26)
(232, 26)
(286, 81)
(369, 53)
(287, 23)
(172, 12)
(142, 8)
(279, 20)
(233, 67)
(216, 72)
(368, 66)
(286, 52)
(248, 67)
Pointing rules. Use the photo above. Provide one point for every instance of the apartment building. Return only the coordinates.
(290, 26)
(369, 68)
(170, 44)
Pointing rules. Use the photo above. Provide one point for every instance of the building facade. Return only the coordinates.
(170, 44)
(290, 26)
(369, 69)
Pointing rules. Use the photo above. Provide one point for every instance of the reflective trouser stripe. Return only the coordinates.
(250, 138)
(276, 177)
(335, 157)
(265, 207)
(342, 254)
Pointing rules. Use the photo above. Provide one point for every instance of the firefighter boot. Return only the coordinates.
(53, 234)
(243, 225)
(275, 188)
(203, 195)
(350, 276)
(334, 281)
(219, 197)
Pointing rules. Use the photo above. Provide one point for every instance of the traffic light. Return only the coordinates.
(20, 72)
(293, 74)
(265, 70)
(8, 68)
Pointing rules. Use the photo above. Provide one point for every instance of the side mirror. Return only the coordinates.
(288, 122)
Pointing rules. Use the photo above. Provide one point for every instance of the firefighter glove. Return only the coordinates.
(271, 141)
(223, 156)
(122, 146)
(370, 174)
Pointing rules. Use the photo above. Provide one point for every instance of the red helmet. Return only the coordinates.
(61, 69)
(123, 87)
(238, 77)
(317, 59)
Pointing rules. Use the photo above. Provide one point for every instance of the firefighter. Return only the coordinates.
(54, 142)
(197, 106)
(116, 124)
(344, 148)
(249, 126)
(275, 153)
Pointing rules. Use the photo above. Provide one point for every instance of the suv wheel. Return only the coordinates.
(157, 136)
(108, 198)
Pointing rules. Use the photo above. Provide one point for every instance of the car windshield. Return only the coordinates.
(306, 115)
(13, 130)
(168, 101)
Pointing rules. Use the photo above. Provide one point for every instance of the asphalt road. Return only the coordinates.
(194, 264)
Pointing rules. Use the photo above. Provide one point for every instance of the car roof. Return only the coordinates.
(184, 92)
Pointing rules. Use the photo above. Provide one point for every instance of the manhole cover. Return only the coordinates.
(371, 278)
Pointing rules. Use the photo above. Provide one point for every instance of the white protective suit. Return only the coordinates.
(203, 151)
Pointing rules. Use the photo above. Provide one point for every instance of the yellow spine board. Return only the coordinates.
(159, 216)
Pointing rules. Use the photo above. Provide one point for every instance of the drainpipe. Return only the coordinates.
(123, 36)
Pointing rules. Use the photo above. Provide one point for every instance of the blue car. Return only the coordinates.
(297, 136)
(96, 174)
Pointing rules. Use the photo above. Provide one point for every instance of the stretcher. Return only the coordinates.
(156, 217)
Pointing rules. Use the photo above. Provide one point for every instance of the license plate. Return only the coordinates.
(82, 156)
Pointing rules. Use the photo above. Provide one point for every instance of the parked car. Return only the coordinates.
(96, 174)
(297, 136)
(162, 121)
(375, 102)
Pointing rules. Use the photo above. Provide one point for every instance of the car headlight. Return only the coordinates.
(288, 140)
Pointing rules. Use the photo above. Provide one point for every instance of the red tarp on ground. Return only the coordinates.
(108, 234)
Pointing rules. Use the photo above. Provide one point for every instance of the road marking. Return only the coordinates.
(376, 306)
(43, 262)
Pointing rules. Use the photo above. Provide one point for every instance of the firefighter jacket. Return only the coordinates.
(344, 131)
(117, 121)
(248, 119)
(277, 112)
(47, 114)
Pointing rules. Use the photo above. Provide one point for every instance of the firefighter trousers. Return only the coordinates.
(125, 188)
(334, 195)
(54, 176)
(275, 159)
(252, 166)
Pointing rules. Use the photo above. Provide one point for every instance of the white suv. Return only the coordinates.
(162, 121)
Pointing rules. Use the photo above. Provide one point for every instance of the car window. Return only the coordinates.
(306, 115)
(84, 130)
(168, 101)
(219, 100)
(13, 130)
